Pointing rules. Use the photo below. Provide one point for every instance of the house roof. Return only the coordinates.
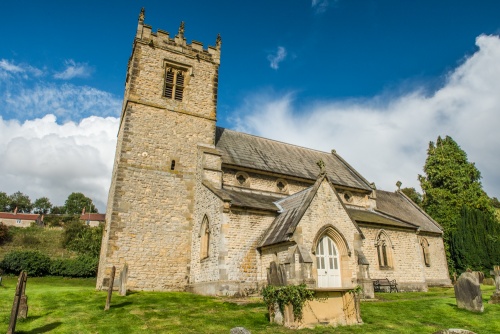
(93, 217)
(398, 205)
(244, 150)
(22, 216)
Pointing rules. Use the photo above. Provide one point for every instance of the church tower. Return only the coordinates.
(169, 109)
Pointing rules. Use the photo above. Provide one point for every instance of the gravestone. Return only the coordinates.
(495, 298)
(17, 301)
(110, 288)
(23, 302)
(468, 293)
(123, 280)
(479, 275)
(276, 275)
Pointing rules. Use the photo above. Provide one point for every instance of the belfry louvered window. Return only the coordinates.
(174, 84)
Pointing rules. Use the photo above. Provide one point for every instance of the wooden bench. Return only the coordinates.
(379, 285)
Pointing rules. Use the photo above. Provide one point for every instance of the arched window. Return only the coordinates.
(384, 250)
(204, 238)
(425, 251)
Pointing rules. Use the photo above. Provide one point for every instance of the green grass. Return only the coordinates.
(48, 241)
(58, 305)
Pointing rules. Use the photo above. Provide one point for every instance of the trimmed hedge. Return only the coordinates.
(35, 263)
(82, 266)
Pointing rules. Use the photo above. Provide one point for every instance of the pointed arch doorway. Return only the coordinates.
(328, 263)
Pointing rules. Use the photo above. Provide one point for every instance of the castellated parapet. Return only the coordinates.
(169, 109)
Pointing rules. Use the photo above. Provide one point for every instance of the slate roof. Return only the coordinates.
(244, 150)
(246, 199)
(292, 210)
(373, 217)
(398, 205)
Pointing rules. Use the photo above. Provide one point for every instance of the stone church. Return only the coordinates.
(193, 206)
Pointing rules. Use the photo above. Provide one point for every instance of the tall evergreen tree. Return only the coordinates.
(454, 197)
(451, 182)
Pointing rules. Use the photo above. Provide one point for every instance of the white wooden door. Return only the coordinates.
(328, 264)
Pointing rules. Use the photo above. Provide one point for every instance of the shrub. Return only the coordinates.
(82, 266)
(4, 233)
(83, 239)
(296, 295)
(35, 263)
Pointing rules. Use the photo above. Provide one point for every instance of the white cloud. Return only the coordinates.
(74, 70)
(277, 58)
(42, 158)
(9, 70)
(67, 102)
(388, 143)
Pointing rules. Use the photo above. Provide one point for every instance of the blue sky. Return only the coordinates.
(375, 80)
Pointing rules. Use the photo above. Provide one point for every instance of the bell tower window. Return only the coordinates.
(174, 83)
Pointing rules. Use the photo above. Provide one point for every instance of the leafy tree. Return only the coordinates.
(58, 210)
(20, 201)
(42, 205)
(414, 195)
(495, 203)
(451, 182)
(83, 239)
(76, 202)
(451, 185)
(4, 202)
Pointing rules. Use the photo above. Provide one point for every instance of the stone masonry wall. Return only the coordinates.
(326, 209)
(151, 200)
(264, 182)
(437, 272)
(407, 258)
(206, 270)
(243, 232)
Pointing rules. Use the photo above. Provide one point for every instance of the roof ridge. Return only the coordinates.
(273, 140)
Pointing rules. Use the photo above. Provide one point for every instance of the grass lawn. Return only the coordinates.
(59, 305)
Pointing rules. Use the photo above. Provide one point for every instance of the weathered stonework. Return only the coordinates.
(186, 213)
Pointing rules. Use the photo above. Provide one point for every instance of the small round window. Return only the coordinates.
(242, 179)
(281, 185)
(348, 196)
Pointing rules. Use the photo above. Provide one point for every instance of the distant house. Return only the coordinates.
(93, 219)
(21, 219)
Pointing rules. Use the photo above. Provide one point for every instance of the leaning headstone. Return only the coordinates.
(23, 302)
(468, 293)
(110, 288)
(239, 330)
(495, 298)
(17, 301)
(123, 280)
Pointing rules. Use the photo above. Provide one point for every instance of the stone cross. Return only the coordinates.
(496, 273)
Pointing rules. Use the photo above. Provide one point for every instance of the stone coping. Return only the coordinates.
(331, 289)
